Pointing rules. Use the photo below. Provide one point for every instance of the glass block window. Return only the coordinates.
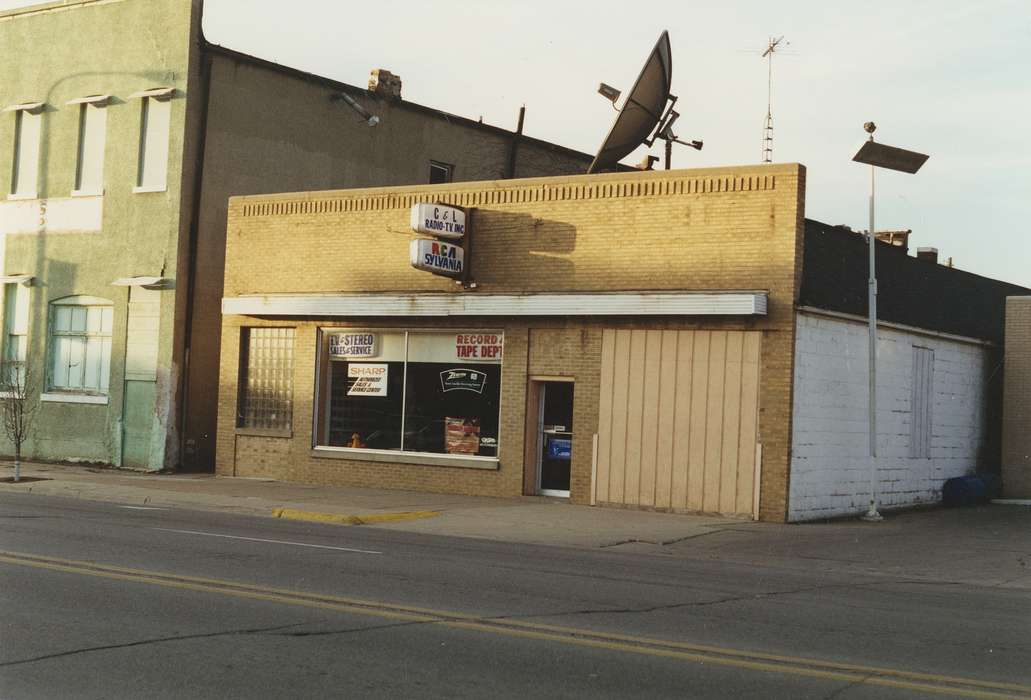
(266, 379)
(80, 346)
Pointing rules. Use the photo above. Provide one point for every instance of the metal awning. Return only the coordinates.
(161, 93)
(25, 107)
(99, 100)
(25, 280)
(145, 282)
(650, 303)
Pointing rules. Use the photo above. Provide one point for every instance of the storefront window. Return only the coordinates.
(437, 393)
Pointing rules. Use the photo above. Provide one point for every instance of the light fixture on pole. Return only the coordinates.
(878, 155)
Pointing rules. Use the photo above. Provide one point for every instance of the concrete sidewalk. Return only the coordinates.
(528, 520)
(985, 546)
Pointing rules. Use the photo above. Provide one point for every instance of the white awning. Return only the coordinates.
(652, 303)
(25, 107)
(145, 282)
(161, 93)
(25, 280)
(98, 100)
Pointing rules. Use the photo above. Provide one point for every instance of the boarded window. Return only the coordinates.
(266, 379)
(89, 170)
(26, 153)
(16, 330)
(80, 347)
(154, 128)
(922, 401)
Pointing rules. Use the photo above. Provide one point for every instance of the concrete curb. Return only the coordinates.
(345, 519)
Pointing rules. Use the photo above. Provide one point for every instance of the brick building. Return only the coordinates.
(118, 157)
(1016, 430)
(681, 340)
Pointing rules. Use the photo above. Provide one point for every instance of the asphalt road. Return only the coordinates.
(107, 601)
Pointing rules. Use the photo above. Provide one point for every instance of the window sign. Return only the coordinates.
(418, 397)
(352, 345)
(439, 220)
(366, 379)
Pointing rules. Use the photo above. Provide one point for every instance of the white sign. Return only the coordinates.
(439, 220)
(369, 379)
(437, 257)
(352, 345)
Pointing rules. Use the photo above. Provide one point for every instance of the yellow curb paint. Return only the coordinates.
(344, 519)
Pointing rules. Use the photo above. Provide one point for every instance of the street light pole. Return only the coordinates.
(878, 155)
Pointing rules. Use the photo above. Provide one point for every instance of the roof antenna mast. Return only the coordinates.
(767, 150)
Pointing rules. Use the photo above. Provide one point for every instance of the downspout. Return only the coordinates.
(198, 187)
(514, 148)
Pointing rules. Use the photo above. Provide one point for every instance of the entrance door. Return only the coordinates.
(555, 438)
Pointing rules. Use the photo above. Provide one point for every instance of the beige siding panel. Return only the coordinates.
(731, 424)
(608, 350)
(635, 419)
(748, 432)
(699, 410)
(620, 373)
(650, 418)
(665, 425)
(682, 419)
(142, 331)
(678, 419)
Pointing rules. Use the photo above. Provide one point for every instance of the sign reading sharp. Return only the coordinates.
(439, 220)
(436, 257)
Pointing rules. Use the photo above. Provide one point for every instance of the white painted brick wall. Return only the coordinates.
(830, 472)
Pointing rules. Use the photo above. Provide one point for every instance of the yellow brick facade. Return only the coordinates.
(686, 230)
(1016, 424)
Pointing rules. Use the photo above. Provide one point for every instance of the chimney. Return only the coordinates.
(385, 84)
(928, 254)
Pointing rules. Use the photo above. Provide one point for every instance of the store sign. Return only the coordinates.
(436, 257)
(369, 379)
(352, 345)
(463, 379)
(479, 346)
(439, 220)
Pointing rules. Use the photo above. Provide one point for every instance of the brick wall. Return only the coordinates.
(830, 463)
(713, 229)
(1016, 425)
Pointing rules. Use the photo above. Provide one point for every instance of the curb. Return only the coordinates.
(344, 519)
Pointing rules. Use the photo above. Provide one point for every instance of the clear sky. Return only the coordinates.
(943, 77)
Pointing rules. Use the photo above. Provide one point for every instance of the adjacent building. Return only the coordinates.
(1016, 426)
(122, 137)
(682, 340)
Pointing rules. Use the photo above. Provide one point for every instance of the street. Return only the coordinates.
(108, 601)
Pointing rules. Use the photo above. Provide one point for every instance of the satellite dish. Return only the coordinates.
(644, 108)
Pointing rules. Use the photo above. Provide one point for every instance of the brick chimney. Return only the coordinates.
(385, 84)
(928, 254)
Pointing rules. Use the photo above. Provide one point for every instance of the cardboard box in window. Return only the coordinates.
(462, 435)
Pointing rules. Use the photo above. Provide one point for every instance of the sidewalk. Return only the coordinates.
(988, 545)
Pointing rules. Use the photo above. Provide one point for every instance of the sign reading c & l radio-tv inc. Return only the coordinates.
(439, 220)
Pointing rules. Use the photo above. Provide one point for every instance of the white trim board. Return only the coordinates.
(555, 304)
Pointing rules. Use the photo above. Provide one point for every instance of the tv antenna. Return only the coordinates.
(771, 48)
(648, 110)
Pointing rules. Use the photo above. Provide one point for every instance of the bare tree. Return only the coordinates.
(19, 400)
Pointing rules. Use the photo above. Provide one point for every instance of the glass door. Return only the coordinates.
(555, 438)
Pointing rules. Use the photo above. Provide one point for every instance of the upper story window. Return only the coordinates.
(441, 172)
(155, 121)
(89, 163)
(80, 345)
(28, 122)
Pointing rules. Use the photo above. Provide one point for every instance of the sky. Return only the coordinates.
(946, 78)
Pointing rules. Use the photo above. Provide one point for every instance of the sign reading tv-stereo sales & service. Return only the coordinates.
(352, 345)
(439, 220)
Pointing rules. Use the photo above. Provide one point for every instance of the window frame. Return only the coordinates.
(80, 394)
(320, 404)
(448, 168)
(152, 164)
(90, 148)
(16, 327)
(18, 188)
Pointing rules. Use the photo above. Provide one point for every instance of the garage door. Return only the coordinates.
(678, 420)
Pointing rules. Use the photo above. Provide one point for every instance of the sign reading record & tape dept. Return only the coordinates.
(436, 257)
(439, 220)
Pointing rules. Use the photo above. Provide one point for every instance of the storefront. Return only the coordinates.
(614, 339)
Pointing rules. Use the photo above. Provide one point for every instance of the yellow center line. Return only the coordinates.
(696, 653)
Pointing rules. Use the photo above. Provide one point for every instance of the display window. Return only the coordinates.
(410, 391)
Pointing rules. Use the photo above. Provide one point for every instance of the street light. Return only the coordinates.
(878, 155)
